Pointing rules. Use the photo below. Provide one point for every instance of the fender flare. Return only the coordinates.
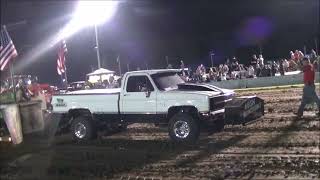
(183, 109)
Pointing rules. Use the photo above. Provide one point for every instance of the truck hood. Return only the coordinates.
(202, 89)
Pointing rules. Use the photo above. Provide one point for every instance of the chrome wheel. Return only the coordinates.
(181, 129)
(80, 130)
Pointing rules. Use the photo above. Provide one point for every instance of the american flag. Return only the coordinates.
(7, 49)
(61, 66)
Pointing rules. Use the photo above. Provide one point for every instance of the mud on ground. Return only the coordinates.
(276, 147)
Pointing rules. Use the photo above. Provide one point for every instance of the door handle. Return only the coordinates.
(126, 94)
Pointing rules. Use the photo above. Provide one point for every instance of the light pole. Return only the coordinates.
(97, 45)
(211, 57)
(316, 45)
(128, 67)
(167, 59)
(260, 49)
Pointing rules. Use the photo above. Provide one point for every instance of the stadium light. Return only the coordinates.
(89, 13)
(94, 13)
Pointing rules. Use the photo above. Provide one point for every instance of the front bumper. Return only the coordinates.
(212, 116)
(244, 109)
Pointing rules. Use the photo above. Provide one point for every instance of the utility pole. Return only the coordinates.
(97, 45)
(128, 67)
(119, 65)
(167, 59)
(260, 49)
(316, 45)
(211, 57)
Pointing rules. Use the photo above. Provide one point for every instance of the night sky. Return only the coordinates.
(145, 31)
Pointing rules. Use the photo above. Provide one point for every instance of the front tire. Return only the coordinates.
(184, 128)
(83, 129)
(219, 125)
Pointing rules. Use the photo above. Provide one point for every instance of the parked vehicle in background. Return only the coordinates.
(78, 85)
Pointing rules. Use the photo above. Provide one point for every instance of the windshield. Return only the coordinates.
(167, 81)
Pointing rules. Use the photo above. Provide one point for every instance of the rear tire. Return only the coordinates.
(83, 129)
(184, 128)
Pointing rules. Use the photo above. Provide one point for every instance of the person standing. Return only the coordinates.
(258, 70)
(264, 71)
(261, 60)
(274, 68)
(224, 72)
(309, 89)
(316, 65)
(254, 61)
(313, 55)
(251, 72)
(292, 57)
(182, 68)
(296, 56)
(281, 67)
(182, 65)
(301, 55)
(286, 65)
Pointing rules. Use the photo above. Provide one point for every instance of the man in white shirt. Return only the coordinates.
(251, 72)
(260, 60)
(286, 65)
(225, 71)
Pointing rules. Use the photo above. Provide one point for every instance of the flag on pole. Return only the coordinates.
(7, 48)
(61, 66)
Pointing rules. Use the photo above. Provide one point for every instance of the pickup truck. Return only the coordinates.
(151, 96)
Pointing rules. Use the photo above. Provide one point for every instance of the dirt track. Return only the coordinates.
(276, 147)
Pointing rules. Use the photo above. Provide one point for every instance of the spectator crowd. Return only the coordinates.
(257, 67)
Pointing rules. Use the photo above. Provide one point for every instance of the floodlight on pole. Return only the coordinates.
(87, 13)
(94, 13)
(90, 13)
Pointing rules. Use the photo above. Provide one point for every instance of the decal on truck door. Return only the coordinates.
(60, 103)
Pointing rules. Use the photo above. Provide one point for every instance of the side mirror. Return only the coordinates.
(148, 93)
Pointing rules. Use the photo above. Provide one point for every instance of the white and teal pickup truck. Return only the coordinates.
(151, 96)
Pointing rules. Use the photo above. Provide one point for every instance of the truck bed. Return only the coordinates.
(97, 100)
(96, 91)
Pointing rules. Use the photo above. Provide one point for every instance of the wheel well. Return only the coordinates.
(74, 113)
(183, 109)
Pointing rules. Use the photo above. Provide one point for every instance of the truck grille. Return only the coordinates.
(219, 102)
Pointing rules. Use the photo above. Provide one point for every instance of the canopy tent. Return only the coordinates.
(100, 75)
(100, 71)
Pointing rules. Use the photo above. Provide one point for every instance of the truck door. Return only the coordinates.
(138, 99)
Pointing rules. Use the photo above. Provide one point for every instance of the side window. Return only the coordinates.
(139, 84)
